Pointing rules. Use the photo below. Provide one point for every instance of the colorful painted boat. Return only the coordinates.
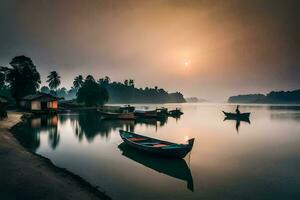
(155, 146)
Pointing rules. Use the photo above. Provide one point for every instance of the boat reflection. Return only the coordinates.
(84, 125)
(174, 167)
(89, 125)
(238, 122)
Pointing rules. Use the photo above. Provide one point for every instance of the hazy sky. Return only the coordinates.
(230, 47)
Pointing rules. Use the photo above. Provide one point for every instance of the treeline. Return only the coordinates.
(22, 78)
(127, 93)
(119, 92)
(289, 97)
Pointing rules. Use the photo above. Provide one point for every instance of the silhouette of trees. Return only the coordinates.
(71, 94)
(45, 89)
(78, 81)
(131, 82)
(272, 97)
(91, 93)
(127, 93)
(53, 80)
(62, 92)
(126, 82)
(107, 79)
(23, 78)
(2, 80)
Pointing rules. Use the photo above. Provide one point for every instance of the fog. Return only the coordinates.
(231, 47)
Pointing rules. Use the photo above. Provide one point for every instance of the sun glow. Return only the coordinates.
(186, 63)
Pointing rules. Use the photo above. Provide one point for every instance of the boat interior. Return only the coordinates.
(151, 142)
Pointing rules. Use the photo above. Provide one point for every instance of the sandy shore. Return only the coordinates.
(24, 175)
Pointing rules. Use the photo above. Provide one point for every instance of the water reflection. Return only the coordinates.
(238, 122)
(85, 124)
(30, 132)
(285, 116)
(176, 168)
(285, 107)
(223, 165)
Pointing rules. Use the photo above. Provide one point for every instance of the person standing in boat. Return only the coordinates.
(237, 110)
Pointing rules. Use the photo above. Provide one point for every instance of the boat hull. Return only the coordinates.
(236, 116)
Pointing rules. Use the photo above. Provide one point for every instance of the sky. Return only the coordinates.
(210, 49)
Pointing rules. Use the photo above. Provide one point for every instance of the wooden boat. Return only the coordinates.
(236, 116)
(114, 115)
(156, 146)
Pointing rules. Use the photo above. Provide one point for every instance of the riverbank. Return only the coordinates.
(28, 176)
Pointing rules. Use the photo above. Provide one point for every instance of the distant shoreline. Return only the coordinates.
(276, 97)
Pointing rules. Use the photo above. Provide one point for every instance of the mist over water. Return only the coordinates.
(260, 160)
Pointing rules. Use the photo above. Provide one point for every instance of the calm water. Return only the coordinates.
(259, 161)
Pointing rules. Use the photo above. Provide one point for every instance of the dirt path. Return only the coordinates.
(27, 176)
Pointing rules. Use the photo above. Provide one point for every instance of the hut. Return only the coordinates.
(3, 106)
(40, 102)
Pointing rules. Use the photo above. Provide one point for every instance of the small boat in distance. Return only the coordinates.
(237, 116)
(155, 146)
(175, 113)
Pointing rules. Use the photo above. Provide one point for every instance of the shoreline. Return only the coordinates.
(27, 175)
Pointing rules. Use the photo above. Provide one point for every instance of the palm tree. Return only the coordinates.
(53, 80)
(78, 81)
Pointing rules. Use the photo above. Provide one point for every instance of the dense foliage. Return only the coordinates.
(272, 97)
(127, 93)
(2, 80)
(22, 78)
(91, 93)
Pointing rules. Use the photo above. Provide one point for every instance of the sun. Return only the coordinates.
(186, 63)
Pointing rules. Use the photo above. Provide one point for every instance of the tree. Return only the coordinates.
(126, 82)
(91, 93)
(53, 80)
(62, 92)
(71, 93)
(23, 78)
(45, 89)
(106, 79)
(89, 78)
(78, 81)
(131, 82)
